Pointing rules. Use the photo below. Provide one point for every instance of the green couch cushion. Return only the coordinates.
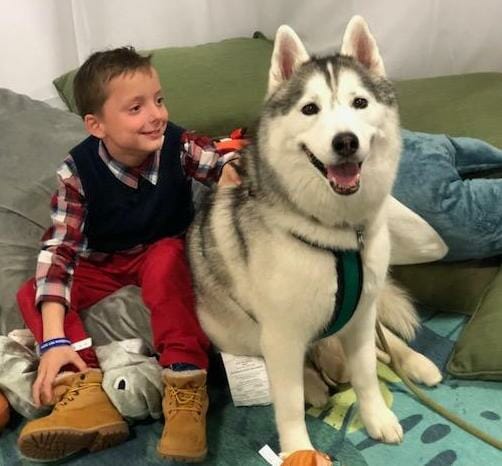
(478, 352)
(210, 88)
(460, 105)
(455, 287)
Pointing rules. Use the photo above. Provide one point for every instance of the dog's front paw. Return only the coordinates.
(382, 424)
(316, 391)
(421, 369)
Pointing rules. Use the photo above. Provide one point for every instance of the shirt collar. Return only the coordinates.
(149, 169)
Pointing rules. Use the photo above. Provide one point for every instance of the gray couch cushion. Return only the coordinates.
(35, 140)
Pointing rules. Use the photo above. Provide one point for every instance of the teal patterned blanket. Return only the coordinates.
(236, 434)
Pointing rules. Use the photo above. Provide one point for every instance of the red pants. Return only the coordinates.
(162, 273)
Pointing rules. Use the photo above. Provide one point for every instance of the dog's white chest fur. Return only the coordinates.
(292, 282)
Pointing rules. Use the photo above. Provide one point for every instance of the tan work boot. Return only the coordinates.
(185, 407)
(83, 417)
(4, 411)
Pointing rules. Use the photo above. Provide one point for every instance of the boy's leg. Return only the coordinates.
(83, 416)
(73, 326)
(167, 291)
(166, 285)
(91, 283)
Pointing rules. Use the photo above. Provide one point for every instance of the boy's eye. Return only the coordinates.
(160, 100)
(134, 109)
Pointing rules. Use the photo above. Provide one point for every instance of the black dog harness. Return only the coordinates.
(349, 270)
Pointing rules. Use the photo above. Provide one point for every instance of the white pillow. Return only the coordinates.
(413, 240)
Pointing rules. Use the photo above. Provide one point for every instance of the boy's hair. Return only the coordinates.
(90, 82)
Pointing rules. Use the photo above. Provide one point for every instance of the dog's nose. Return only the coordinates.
(345, 144)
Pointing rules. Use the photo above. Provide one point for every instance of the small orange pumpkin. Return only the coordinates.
(4, 411)
(307, 458)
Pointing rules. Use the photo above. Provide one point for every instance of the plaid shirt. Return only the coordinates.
(65, 241)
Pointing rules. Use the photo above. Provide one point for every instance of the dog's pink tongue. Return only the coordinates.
(344, 174)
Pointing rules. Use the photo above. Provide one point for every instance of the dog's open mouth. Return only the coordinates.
(344, 178)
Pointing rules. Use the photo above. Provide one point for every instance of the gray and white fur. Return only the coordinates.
(319, 171)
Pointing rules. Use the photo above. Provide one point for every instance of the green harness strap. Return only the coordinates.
(349, 271)
(350, 284)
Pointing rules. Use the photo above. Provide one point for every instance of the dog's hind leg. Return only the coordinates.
(285, 369)
(315, 388)
(326, 364)
(395, 310)
(358, 340)
(416, 366)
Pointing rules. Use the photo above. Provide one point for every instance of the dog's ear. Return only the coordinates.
(289, 53)
(358, 42)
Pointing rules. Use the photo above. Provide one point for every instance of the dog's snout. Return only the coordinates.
(345, 144)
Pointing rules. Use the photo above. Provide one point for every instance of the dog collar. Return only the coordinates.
(349, 271)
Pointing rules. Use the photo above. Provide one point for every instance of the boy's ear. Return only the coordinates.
(94, 126)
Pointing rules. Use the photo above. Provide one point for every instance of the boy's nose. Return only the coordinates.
(157, 112)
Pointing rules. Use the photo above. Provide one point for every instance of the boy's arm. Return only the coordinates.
(55, 265)
(229, 174)
(202, 160)
(63, 240)
(53, 320)
(55, 358)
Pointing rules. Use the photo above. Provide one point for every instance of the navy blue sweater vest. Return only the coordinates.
(120, 217)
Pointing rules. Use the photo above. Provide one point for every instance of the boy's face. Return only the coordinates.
(133, 117)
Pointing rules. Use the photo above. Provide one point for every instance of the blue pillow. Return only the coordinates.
(438, 178)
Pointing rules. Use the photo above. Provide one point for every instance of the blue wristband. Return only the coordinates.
(48, 344)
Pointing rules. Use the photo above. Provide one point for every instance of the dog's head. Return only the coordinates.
(338, 114)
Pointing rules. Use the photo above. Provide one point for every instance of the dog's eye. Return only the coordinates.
(310, 109)
(360, 102)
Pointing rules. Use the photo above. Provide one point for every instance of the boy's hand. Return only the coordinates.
(229, 175)
(51, 363)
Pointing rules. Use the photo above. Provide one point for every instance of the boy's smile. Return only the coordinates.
(133, 118)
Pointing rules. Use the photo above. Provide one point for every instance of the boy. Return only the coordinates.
(119, 215)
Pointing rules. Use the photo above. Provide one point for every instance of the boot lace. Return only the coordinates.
(187, 399)
(69, 395)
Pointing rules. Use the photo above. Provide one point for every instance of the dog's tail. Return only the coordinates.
(396, 311)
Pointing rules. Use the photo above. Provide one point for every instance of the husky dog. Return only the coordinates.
(316, 180)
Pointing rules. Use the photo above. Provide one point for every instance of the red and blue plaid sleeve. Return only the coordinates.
(201, 159)
(63, 241)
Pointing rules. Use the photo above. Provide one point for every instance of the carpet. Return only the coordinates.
(236, 434)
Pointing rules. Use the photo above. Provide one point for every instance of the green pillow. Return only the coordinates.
(478, 352)
(447, 286)
(459, 105)
(472, 288)
(211, 88)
